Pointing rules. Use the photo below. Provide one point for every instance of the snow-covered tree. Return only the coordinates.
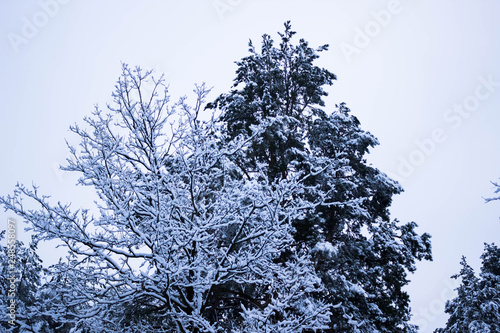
(21, 274)
(182, 238)
(361, 255)
(477, 306)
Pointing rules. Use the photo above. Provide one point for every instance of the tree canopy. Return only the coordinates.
(361, 255)
(261, 215)
(477, 305)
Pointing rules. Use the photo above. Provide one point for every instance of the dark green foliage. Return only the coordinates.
(477, 306)
(361, 255)
(279, 86)
(24, 268)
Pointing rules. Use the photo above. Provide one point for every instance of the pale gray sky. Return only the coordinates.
(423, 77)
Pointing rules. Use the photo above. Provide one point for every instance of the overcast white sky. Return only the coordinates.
(422, 76)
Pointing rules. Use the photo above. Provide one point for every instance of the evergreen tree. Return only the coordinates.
(361, 255)
(477, 306)
(21, 286)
